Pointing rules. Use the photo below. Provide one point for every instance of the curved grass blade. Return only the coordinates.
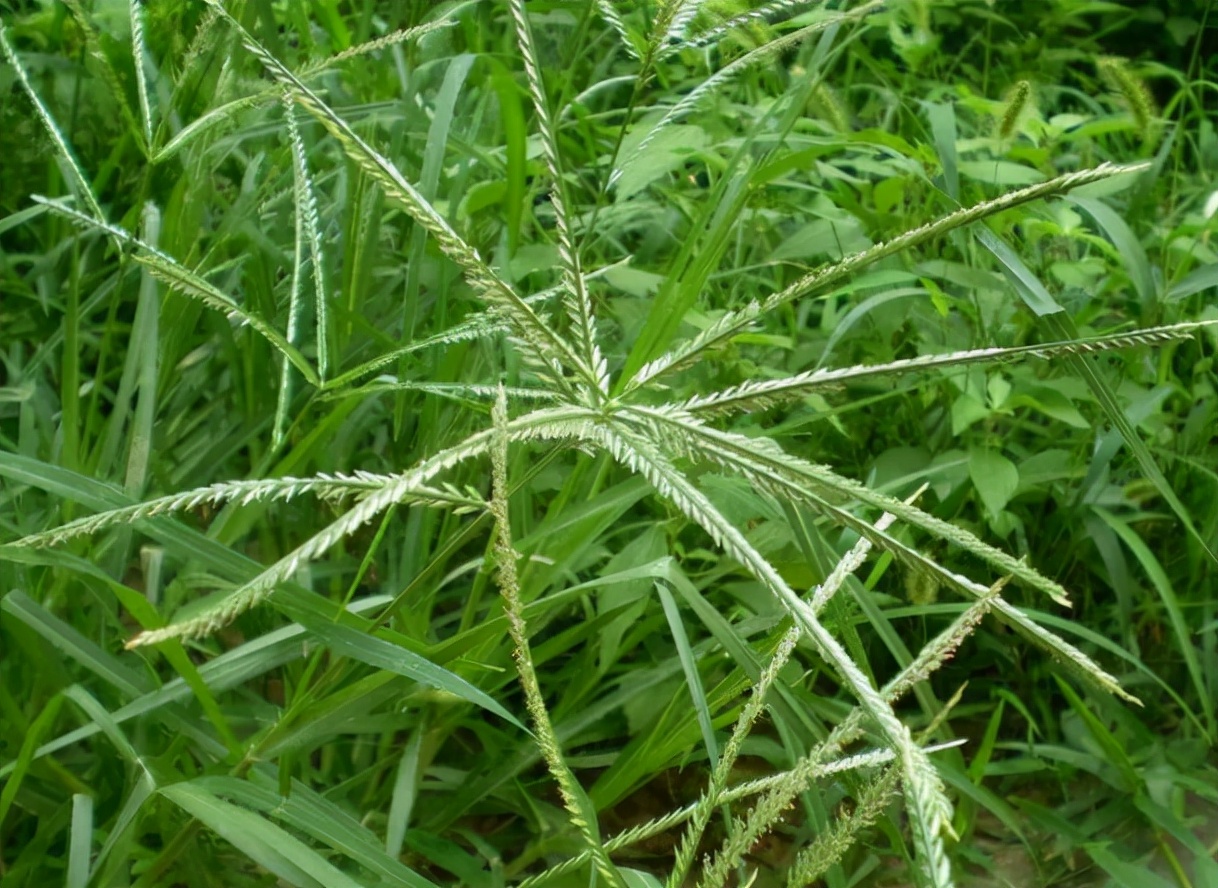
(224, 672)
(269, 845)
(320, 818)
(103, 719)
(1171, 604)
(1034, 294)
(389, 657)
(30, 745)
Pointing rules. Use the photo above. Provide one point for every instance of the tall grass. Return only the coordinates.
(422, 312)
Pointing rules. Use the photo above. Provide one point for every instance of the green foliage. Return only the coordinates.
(786, 367)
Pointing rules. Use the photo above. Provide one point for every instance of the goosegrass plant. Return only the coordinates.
(538, 372)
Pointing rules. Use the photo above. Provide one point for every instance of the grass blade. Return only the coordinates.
(389, 657)
(272, 847)
(1171, 604)
(689, 666)
(80, 842)
(319, 818)
(39, 728)
(144, 358)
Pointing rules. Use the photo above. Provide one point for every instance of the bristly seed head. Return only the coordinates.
(1018, 100)
(1120, 77)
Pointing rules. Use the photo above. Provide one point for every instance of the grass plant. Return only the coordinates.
(843, 463)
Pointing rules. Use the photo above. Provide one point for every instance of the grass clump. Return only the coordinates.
(342, 322)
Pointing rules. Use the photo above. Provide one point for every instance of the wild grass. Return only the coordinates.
(339, 324)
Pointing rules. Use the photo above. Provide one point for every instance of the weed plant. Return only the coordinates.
(562, 444)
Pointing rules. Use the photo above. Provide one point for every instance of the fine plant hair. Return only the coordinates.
(1015, 106)
(570, 396)
(1133, 91)
(829, 106)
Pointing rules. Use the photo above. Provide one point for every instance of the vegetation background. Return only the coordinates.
(292, 311)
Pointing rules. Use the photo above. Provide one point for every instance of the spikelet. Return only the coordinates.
(1120, 78)
(827, 105)
(1019, 100)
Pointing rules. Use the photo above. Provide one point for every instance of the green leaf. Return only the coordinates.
(834, 238)
(1051, 402)
(276, 850)
(319, 818)
(118, 828)
(393, 658)
(72, 643)
(689, 665)
(29, 744)
(995, 478)
(1061, 326)
(102, 718)
(1000, 172)
(942, 118)
(670, 149)
(80, 841)
(1123, 873)
(515, 141)
(1204, 866)
(639, 879)
(1130, 249)
(1107, 746)
(1026, 284)
(1203, 278)
(1171, 604)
